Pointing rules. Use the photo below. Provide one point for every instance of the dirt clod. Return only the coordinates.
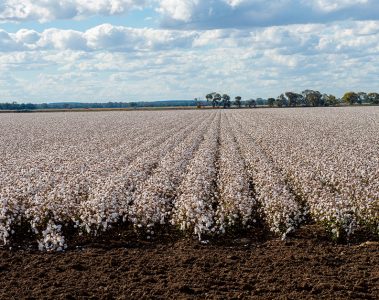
(305, 266)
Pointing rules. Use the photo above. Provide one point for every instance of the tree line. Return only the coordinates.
(79, 105)
(287, 99)
(292, 99)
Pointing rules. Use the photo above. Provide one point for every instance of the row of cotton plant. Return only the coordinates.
(82, 157)
(200, 171)
(329, 158)
(155, 197)
(113, 198)
(194, 208)
(236, 201)
(279, 207)
(95, 201)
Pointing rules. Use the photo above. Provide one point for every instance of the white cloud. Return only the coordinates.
(105, 37)
(257, 13)
(62, 40)
(335, 5)
(48, 10)
(181, 10)
(121, 63)
(196, 14)
(27, 36)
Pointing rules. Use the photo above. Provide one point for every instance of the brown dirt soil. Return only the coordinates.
(306, 266)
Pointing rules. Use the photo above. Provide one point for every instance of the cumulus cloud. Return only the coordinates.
(120, 38)
(259, 13)
(8, 43)
(247, 47)
(197, 14)
(105, 37)
(121, 63)
(48, 10)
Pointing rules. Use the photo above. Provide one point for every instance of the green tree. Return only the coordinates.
(260, 101)
(226, 100)
(281, 101)
(373, 98)
(238, 101)
(214, 97)
(294, 99)
(251, 103)
(312, 98)
(217, 98)
(133, 104)
(270, 102)
(209, 98)
(329, 100)
(362, 98)
(350, 98)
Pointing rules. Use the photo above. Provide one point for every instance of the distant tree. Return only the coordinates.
(350, 98)
(281, 101)
(373, 98)
(294, 99)
(270, 102)
(30, 106)
(362, 98)
(312, 98)
(10, 106)
(217, 98)
(251, 103)
(329, 100)
(209, 98)
(133, 104)
(226, 100)
(260, 101)
(238, 101)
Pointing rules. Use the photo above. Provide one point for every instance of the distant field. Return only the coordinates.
(203, 172)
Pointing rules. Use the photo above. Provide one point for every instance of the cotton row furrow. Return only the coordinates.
(154, 198)
(339, 191)
(90, 202)
(332, 209)
(48, 194)
(279, 207)
(194, 209)
(112, 200)
(236, 201)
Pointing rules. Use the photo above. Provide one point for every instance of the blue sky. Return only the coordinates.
(128, 50)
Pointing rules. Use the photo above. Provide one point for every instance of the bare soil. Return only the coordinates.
(252, 266)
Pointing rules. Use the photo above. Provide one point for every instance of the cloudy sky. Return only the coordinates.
(128, 50)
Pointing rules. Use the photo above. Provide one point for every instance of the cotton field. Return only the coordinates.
(203, 172)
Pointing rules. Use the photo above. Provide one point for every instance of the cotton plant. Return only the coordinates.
(193, 209)
(326, 163)
(201, 171)
(155, 197)
(236, 200)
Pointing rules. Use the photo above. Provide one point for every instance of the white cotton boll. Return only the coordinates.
(41, 246)
(85, 172)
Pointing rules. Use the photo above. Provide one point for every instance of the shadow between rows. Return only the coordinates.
(125, 235)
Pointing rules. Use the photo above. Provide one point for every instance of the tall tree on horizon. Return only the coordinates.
(226, 100)
(350, 98)
(238, 101)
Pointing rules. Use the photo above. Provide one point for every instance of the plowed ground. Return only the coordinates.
(121, 266)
